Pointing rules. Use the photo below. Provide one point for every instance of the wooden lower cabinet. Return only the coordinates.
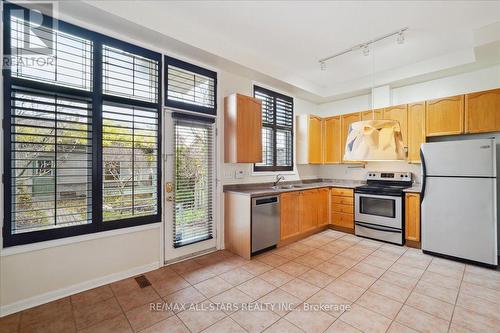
(322, 205)
(309, 210)
(303, 211)
(290, 214)
(342, 208)
(412, 219)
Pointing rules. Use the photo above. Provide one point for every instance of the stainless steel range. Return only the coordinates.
(379, 206)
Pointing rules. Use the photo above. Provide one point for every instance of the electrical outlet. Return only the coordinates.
(238, 174)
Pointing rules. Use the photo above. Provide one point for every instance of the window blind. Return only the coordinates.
(190, 87)
(129, 75)
(53, 56)
(81, 130)
(51, 161)
(194, 179)
(130, 161)
(277, 131)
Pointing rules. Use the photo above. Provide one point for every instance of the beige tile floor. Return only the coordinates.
(387, 288)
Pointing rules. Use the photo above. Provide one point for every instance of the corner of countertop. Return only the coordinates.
(415, 188)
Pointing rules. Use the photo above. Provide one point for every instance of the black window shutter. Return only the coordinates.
(277, 131)
(190, 87)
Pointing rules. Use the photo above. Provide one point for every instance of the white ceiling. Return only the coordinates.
(285, 39)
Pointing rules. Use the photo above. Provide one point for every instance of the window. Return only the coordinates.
(130, 145)
(277, 131)
(52, 56)
(190, 87)
(129, 75)
(82, 141)
(193, 89)
(194, 179)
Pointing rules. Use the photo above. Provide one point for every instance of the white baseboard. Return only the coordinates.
(74, 289)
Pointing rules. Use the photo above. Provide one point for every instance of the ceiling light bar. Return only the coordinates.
(365, 46)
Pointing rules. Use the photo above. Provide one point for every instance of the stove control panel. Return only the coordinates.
(392, 176)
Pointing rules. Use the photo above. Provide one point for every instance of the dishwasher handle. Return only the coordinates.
(266, 200)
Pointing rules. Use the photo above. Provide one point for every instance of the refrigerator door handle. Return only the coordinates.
(424, 175)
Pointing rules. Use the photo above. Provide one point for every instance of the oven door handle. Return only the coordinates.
(379, 228)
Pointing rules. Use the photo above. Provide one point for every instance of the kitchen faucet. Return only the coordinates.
(278, 179)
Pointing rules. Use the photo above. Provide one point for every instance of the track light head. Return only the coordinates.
(401, 38)
(366, 50)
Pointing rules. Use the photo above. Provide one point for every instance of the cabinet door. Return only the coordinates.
(332, 139)
(376, 114)
(309, 211)
(346, 121)
(399, 113)
(315, 140)
(249, 129)
(323, 205)
(290, 214)
(412, 217)
(482, 111)
(416, 130)
(444, 116)
(344, 220)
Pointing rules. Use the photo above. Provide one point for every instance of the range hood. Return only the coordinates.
(374, 140)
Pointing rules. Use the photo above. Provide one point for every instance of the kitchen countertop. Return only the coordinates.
(262, 189)
(416, 188)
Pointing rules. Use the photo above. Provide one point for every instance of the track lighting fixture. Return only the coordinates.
(365, 47)
(366, 50)
(401, 38)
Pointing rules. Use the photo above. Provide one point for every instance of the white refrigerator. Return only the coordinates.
(459, 200)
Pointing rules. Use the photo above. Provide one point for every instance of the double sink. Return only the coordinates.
(288, 187)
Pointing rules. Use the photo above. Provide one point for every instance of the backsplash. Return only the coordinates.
(242, 173)
(357, 172)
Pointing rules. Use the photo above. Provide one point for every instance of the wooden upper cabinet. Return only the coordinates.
(332, 140)
(315, 140)
(445, 116)
(346, 121)
(400, 114)
(242, 129)
(309, 139)
(290, 203)
(412, 217)
(482, 111)
(376, 114)
(416, 130)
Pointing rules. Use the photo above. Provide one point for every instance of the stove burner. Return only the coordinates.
(386, 183)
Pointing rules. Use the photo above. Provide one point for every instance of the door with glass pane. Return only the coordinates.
(189, 188)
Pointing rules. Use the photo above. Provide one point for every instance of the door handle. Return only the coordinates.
(168, 187)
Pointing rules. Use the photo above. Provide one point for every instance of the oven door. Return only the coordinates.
(378, 209)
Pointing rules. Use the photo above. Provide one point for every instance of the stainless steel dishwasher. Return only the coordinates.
(265, 222)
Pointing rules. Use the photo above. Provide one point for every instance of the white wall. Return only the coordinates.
(42, 275)
(484, 79)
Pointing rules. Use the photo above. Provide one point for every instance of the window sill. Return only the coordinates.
(273, 173)
(76, 239)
